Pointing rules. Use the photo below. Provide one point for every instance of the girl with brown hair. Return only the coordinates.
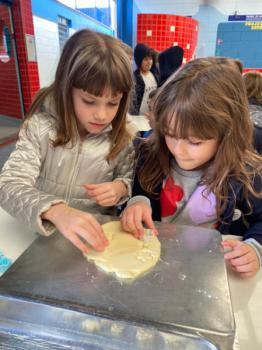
(74, 155)
(199, 166)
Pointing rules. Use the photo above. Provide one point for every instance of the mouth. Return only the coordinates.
(183, 160)
(97, 125)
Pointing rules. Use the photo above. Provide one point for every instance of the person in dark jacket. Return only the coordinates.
(253, 83)
(169, 61)
(146, 78)
(199, 166)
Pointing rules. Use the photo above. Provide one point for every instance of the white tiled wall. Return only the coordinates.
(47, 49)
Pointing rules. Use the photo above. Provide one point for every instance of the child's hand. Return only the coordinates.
(106, 194)
(133, 217)
(77, 226)
(243, 257)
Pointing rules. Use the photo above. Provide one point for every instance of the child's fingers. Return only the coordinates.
(147, 219)
(138, 223)
(134, 226)
(231, 243)
(104, 197)
(243, 260)
(95, 190)
(91, 224)
(92, 232)
(88, 234)
(78, 243)
(135, 223)
(246, 268)
(134, 217)
(90, 186)
(128, 222)
(239, 249)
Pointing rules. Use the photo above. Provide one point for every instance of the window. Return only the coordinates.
(63, 30)
(102, 10)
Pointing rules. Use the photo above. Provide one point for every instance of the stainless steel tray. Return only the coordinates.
(184, 300)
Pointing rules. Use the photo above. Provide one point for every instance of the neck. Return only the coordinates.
(144, 72)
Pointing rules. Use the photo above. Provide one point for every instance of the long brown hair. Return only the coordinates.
(206, 98)
(253, 83)
(93, 62)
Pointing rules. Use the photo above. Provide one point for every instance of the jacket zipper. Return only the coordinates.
(73, 172)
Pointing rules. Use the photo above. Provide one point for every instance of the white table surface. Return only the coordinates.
(141, 122)
(246, 294)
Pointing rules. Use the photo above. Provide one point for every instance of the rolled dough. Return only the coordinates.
(126, 256)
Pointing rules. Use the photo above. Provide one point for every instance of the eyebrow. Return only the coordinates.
(86, 94)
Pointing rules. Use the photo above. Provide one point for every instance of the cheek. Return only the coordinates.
(213, 149)
(82, 111)
(111, 113)
(169, 143)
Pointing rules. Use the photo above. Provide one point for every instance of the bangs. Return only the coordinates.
(182, 121)
(103, 74)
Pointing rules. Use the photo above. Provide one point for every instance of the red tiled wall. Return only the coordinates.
(245, 70)
(162, 31)
(23, 24)
(9, 97)
(9, 93)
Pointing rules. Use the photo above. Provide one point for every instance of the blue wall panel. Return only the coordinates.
(101, 14)
(125, 20)
(239, 40)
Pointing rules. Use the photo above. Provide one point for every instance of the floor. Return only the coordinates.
(5, 150)
(9, 128)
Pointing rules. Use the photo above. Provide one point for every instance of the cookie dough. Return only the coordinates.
(126, 256)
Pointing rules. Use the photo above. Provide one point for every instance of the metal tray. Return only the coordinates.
(184, 300)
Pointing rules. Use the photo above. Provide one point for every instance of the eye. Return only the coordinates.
(194, 143)
(88, 102)
(114, 104)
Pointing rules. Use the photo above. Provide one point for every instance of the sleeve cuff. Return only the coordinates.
(136, 199)
(45, 227)
(128, 184)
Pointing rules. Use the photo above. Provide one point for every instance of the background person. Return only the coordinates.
(146, 78)
(169, 61)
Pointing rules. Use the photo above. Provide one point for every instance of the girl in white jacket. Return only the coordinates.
(74, 155)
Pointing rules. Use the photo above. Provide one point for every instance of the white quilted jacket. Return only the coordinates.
(38, 175)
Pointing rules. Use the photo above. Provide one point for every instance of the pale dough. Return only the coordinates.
(125, 256)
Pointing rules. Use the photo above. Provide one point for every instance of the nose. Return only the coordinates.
(100, 114)
(178, 147)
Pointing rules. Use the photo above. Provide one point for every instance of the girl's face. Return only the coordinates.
(94, 113)
(146, 64)
(191, 153)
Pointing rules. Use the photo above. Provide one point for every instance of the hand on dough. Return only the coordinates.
(134, 216)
